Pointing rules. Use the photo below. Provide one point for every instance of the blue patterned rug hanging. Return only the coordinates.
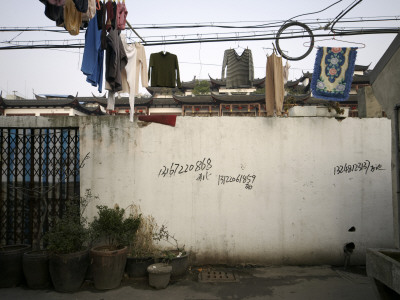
(333, 73)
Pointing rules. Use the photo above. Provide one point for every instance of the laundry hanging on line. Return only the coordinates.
(56, 2)
(55, 12)
(121, 15)
(93, 56)
(136, 66)
(239, 69)
(75, 15)
(111, 8)
(72, 18)
(333, 73)
(274, 86)
(91, 11)
(116, 60)
(164, 70)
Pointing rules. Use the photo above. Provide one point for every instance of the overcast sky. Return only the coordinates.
(57, 71)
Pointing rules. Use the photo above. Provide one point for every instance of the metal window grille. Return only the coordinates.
(39, 173)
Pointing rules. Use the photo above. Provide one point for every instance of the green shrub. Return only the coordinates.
(112, 226)
(70, 233)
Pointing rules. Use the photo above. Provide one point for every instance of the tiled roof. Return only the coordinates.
(238, 98)
(361, 68)
(257, 82)
(164, 101)
(160, 90)
(52, 96)
(361, 79)
(39, 103)
(124, 101)
(72, 103)
(201, 99)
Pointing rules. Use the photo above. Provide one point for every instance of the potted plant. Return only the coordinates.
(11, 273)
(176, 257)
(35, 263)
(68, 243)
(108, 261)
(141, 250)
(18, 260)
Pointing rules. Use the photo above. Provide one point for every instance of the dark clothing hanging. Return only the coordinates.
(110, 14)
(54, 13)
(56, 2)
(99, 15)
(116, 60)
(239, 69)
(81, 5)
(114, 19)
(103, 28)
(164, 70)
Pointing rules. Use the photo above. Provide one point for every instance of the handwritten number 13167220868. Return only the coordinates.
(177, 169)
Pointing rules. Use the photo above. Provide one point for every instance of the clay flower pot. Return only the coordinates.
(108, 266)
(36, 269)
(11, 273)
(159, 275)
(67, 271)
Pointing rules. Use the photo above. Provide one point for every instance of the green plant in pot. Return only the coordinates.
(115, 231)
(68, 242)
(141, 248)
(177, 257)
(35, 263)
(19, 259)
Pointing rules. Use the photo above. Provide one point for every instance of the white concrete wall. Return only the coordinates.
(297, 211)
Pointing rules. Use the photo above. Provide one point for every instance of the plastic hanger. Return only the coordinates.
(273, 50)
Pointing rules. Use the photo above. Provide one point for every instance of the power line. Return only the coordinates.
(257, 24)
(212, 40)
(208, 37)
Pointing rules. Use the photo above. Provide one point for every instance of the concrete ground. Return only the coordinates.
(284, 282)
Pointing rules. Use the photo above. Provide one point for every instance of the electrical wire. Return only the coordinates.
(244, 35)
(262, 24)
(316, 11)
(211, 40)
(342, 14)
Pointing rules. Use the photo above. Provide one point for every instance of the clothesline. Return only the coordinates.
(65, 43)
(125, 63)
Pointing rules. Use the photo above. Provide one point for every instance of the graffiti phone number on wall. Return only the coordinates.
(365, 166)
(248, 180)
(178, 169)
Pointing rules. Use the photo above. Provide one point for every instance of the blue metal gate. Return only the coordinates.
(39, 173)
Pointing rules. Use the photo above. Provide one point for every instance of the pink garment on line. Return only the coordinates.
(121, 15)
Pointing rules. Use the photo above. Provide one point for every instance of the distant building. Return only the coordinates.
(217, 100)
